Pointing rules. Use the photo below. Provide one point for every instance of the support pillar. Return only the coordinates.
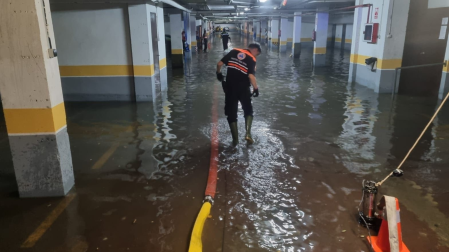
(444, 87)
(161, 49)
(264, 28)
(284, 34)
(142, 51)
(176, 40)
(274, 34)
(296, 47)
(321, 26)
(192, 35)
(251, 31)
(388, 49)
(257, 31)
(32, 100)
(186, 28)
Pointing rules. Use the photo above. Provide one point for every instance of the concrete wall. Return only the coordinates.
(232, 27)
(290, 33)
(341, 19)
(306, 33)
(94, 51)
(349, 28)
(438, 3)
(167, 28)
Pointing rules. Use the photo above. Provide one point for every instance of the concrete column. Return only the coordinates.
(389, 47)
(186, 28)
(444, 87)
(142, 51)
(263, 35)
(192, 36)
(204, 26)
(162, 50)
(250, 30)
(284, 34)
(30, 85)
(321, 26)
(257, 31)
(296, 47)
(176, 40)
(274, 34)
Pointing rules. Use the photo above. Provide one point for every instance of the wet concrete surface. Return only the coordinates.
(141, 169)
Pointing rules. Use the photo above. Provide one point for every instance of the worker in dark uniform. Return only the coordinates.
(205, 41)
(241, 70)
(225, 38)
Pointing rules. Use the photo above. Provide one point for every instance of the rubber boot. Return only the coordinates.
(235, 133)
(248, 123)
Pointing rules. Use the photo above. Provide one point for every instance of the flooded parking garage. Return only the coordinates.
(141, 168)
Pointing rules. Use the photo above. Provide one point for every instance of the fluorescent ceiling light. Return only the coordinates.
(246, 9)
(242, 13)
(262, 1)
(221, 7)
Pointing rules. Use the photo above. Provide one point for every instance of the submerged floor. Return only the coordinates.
(141, 169)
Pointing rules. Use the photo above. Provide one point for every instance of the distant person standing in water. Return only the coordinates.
(225, 38)
(205, 41)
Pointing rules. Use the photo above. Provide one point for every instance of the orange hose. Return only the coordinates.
(213, 167)
(196, 244)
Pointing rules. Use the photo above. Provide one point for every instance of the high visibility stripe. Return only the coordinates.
(247, 53)
(234, 62)
(239, 67)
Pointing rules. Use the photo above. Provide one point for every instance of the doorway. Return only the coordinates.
(423, 46)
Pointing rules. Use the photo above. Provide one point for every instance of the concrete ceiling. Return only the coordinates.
(236, 10)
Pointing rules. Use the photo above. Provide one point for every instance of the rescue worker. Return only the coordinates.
(225, 38)
(241, 70)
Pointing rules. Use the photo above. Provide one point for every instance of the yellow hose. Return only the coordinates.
(196, 244)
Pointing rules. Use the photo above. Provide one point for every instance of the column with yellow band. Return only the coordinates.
(274, 34)
(192, 34)
(142, 51)
(284, 34)
(386, 53)
(263, 34)
(176, 40)
(186, 29)
(444, 86)
(321, 26)
(32, 100)
(297, 26)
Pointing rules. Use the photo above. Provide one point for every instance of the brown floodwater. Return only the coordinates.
(141, 168)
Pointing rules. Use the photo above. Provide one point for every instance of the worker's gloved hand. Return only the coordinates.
(256, 92)
(220, 77)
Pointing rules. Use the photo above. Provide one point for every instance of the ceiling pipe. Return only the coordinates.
(174, 4)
